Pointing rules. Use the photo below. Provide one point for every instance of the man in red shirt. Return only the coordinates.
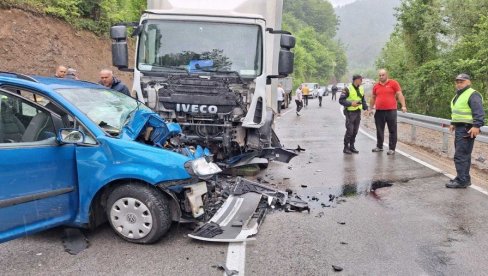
(384, 100)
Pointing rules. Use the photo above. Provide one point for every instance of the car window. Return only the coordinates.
(24, 122)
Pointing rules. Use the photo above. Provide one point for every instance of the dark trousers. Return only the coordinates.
(305, 99)
(333, 96)
(353, 118)
(299, 105)
(279, 106)
(388, 117)
(463, 145)
(320, 100)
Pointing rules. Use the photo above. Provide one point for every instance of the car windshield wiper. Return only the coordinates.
(204, 69)
(109, 129)
(129, 115)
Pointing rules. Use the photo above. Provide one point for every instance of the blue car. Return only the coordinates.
(78, 154)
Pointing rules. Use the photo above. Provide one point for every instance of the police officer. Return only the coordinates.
(352, 98)
(467, 117)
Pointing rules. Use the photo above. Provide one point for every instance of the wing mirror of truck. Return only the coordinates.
(120, 52)
(286, 57)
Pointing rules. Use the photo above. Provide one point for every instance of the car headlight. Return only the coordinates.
(201, 168)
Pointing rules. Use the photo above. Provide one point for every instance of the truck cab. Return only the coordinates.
(209, 66)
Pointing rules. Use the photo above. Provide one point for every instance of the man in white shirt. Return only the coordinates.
(280, 96)
(299, 99)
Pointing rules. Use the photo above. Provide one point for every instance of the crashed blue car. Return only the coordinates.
(78, 154)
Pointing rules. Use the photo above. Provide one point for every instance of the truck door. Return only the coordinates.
(37, 175)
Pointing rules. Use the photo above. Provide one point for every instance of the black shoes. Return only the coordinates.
(377, 149)
(353, 149)
(347, 150)
(456, 184)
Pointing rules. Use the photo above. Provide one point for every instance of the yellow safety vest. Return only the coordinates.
(353, 96)
(460, 111)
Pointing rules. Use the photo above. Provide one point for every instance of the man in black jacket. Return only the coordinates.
(107, 79)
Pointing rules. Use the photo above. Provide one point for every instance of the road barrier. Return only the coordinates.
(437, 124)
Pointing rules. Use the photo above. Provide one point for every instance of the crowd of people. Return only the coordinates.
(107, 78)
(467, 117)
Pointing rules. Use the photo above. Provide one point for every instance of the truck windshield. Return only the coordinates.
(109, 109)
(200, 47)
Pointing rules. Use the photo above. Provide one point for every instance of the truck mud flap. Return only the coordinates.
(237, 220)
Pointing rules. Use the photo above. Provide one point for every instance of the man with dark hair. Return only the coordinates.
(107, 79)
(384, 99)
(467, 117)
(352, 98)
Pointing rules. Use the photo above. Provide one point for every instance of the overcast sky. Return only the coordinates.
(336, 3)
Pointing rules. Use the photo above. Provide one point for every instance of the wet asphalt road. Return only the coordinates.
(414, 227)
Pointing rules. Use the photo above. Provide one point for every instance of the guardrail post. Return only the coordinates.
(445, 142)
(413, 134)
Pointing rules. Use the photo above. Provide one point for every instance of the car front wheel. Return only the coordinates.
(138, 213)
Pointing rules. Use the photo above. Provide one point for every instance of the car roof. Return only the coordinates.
(56, 83)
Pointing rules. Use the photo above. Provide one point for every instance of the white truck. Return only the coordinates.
(211, 66)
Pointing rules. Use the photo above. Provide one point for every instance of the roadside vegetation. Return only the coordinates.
(318, 57)
(435, 40)
(93, 15)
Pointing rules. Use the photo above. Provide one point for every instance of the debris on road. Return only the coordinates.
(246, 204)
(74, 241)
(337, 268)
(303, 186)
(341, 222)
(228, 272)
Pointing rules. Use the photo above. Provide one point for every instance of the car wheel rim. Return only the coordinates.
(131, 218)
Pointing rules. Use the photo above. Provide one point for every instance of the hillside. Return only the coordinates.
(364, 28)
(35, 44)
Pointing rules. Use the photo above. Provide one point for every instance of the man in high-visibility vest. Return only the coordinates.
(352, 98)
(467, 117)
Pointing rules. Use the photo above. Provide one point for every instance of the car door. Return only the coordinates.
(38, 182)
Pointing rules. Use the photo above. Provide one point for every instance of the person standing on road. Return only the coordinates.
(299, 99)
(305, 92)
(467, 117)
(352, 98)
(280, 96)
(61, 71)
(321, 94)
(384, 100)
(334, 91)
(107, 79)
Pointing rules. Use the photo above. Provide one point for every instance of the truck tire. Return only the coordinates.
(138, 213)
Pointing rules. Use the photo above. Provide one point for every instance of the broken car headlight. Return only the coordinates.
(201, 168)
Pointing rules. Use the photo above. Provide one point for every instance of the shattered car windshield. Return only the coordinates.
(172, 46)
(109, 109)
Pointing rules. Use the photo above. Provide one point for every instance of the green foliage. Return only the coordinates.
(434, 41)
(318, 58)
(93, 15)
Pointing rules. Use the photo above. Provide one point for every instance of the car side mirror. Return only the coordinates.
(70, 136)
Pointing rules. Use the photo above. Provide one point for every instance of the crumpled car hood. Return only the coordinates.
(142, 119)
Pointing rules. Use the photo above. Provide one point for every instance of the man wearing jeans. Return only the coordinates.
(467, 117)
(384, 100)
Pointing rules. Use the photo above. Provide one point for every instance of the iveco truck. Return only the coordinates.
(211, 66)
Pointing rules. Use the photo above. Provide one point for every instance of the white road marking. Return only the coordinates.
(432, 167)
(236, 257)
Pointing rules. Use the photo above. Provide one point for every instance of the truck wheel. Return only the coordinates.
(138, 214)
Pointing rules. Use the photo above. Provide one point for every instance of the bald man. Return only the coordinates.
(107, 79)
(384, 98)
(61, 71)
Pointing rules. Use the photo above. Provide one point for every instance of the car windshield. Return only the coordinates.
(166, 46)
(107, 108)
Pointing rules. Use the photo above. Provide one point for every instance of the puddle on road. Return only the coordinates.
(321, 197)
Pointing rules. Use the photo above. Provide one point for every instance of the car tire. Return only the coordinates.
(138, 214)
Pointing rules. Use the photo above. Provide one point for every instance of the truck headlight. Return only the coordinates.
(201, 168)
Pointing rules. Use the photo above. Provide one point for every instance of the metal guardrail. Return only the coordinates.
(437, 124)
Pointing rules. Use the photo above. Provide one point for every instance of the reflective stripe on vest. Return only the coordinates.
(353, 96)
(460, 111)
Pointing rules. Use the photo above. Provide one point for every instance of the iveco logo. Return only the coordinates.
(196, 108)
